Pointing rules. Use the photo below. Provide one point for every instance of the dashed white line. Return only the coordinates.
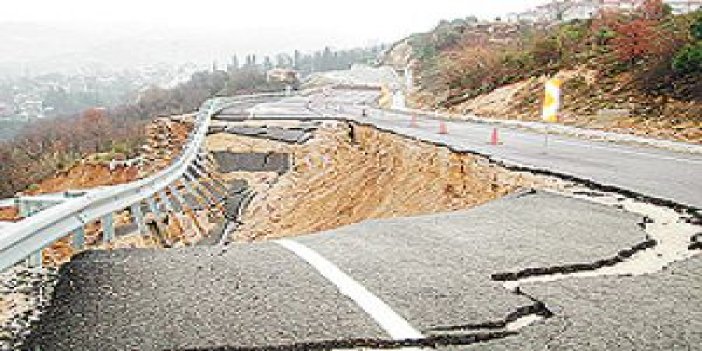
(397, 327)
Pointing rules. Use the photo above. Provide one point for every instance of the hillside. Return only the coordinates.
(632, 72)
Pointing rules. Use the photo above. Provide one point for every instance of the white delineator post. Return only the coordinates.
(552, 103)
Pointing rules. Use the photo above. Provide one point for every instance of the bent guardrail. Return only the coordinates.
(28, 237)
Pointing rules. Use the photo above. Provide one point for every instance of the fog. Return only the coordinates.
(42, 36)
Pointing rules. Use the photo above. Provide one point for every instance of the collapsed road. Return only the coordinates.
(605, 264)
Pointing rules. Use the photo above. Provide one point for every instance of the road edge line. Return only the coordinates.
(395, 325)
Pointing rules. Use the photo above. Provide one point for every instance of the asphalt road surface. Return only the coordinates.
(646, 170)
(643, 170)
(373, 283)
(407, 282)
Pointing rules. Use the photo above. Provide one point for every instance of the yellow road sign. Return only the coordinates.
(552, 100)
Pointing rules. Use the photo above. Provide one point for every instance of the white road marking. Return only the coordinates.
(621, 151)
(585, 144)
(396, 326)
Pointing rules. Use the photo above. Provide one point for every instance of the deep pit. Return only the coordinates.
(350, 173)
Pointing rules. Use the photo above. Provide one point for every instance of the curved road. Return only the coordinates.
(405, 283)
(649, 171)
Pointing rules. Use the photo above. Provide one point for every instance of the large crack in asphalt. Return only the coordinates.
(695, 214)
(525, 315)
(467, 334)
(435, 341)
(575, 268)
(537, 310)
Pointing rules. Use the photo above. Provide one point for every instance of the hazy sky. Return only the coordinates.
(351, 22)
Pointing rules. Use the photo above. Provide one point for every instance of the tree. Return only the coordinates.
(654, 10)
(689, 58)
(696, 28)
(558, 9)
(637, 39)
(95, 125)
(636, 35)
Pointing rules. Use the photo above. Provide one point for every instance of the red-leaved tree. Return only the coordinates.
(634, 35)
(637, 39)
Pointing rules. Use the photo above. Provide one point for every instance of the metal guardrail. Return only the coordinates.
(29, 236)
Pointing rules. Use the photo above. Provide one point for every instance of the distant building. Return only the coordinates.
(283, 75)
(31, 109)
(684, 6)
(584, 9)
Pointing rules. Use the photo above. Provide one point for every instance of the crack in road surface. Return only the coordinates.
(668, 231)
(431, 342)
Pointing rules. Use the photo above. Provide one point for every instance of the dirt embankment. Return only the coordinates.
(86, 176)
(165, 141)
(8, 213)
(352, 173)
(593, 101)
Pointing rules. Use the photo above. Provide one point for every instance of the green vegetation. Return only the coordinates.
(461, 59)
(689, 59)
(34, 151)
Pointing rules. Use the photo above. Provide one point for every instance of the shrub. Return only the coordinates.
(637, 39)
(545, 51)
(696, 29)
(689, 59)
(120, 148)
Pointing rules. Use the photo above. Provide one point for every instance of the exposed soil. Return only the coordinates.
(8, 213)
(86, 176)
(353, 173)
(165, 140)
(586, 94)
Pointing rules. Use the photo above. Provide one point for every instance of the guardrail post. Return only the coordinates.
(177, 195)
(138, 217)
(203, 174)
(196, 168)
(216, 178)
(186, 183)
(202, 192)
(166, 201)
(78, 238)
(35, 260)
(153, 207)
(161, 229)
(108, 228)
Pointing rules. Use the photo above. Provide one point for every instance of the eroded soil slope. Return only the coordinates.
(352, 173)
(587, 96)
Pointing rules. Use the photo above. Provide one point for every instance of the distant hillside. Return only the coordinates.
(66, 47)
(9, 129)
(646, 64)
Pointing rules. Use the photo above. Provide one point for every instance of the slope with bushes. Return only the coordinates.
(645, 63)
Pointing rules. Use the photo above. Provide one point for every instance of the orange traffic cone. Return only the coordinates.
(414, 123)
(443, 129)
(495, 138)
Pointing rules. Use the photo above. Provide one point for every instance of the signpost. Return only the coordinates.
(552, 103)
